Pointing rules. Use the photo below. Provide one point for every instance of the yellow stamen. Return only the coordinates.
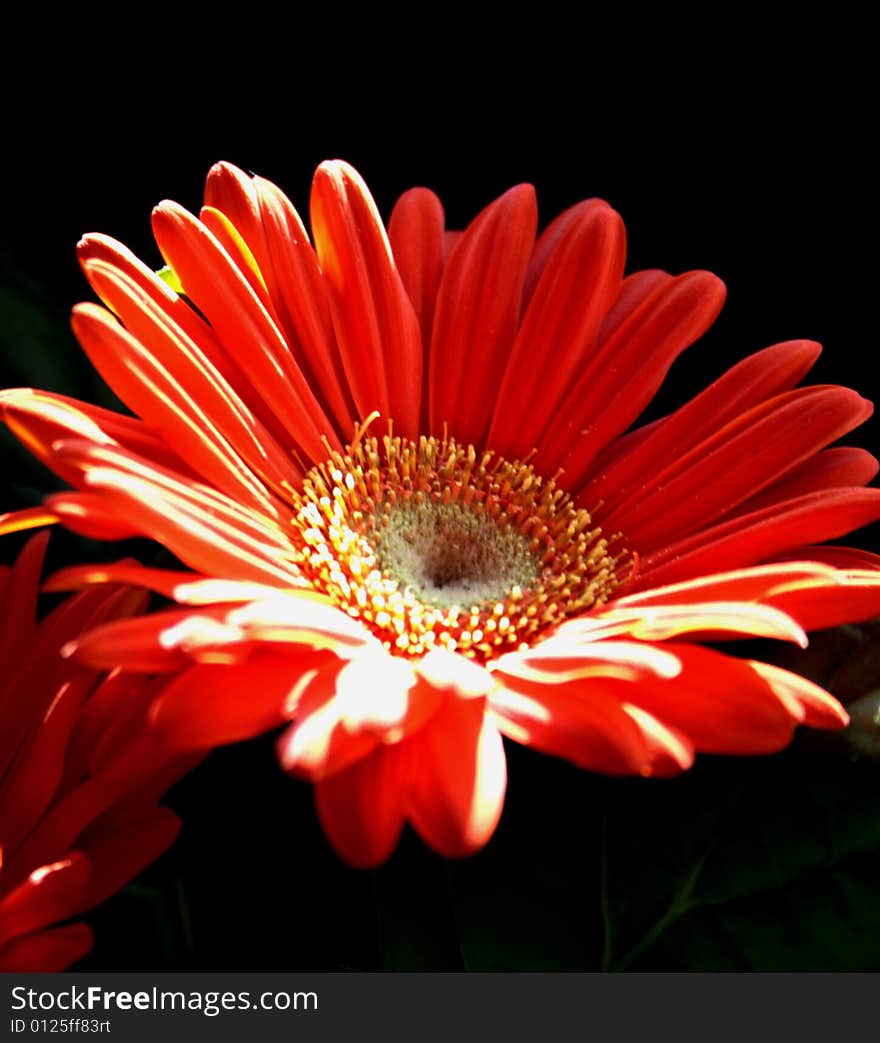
(430, 544)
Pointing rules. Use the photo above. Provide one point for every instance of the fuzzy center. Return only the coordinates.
(432, 544)
(447, 555)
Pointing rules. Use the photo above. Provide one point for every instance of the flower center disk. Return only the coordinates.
(450, 555)
(431, 544)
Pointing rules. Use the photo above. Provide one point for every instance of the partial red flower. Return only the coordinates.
(404, 468)
(80, 772)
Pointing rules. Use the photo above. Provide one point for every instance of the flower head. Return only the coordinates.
(80, 773)
(404, 469)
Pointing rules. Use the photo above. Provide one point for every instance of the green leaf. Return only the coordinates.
(825, 922)
(414, 919)
(706, 871)
(169, 276)
(788, 826)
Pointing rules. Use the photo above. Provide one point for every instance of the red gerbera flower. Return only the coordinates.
(401, 466)
(80, 773)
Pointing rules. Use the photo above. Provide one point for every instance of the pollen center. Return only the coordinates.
(431, 544)
(447, 554)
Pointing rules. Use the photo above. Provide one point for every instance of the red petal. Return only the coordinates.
(637, 290)
(238, 318)
(735, 463)
(854, 597)
(415, 231)
(117, 855)
(40, 418)
(626, 371)
(670, 751)
(20, 599)
(234, 194)
(106, 704)
(376, 326)
(163, 581)
(361, 808)
(837, 468)
(241, 255)
(177, 362)
(58, 830)
(182, 315)
(723, 705)
(548, 240)
(126, 735)
(478, 309)
(212, 705)
(88, 515)
(140, 644)
(208, 531)
(38, 421)
(36, 675)
(458, 779)
(342, 714)
(36, 771)
(634, 461)
(175, 408)
(300, 295)
(580, 280)
(820, 709)
(587, 723)
(758, 583)
(836, 556)
(47, 952)
(51, 893)
(660, 622)
(27, 518)
(749, 539)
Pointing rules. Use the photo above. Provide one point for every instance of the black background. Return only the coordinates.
(769, 183)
